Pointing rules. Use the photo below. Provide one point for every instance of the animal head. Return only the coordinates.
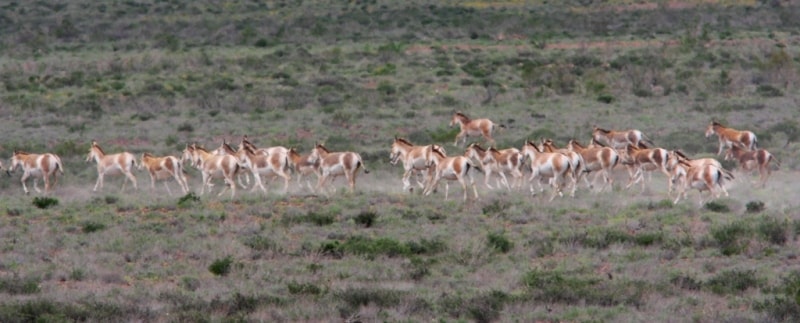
(94, 152)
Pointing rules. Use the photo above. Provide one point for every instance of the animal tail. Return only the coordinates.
(727, 175)
(777, 162)
(362, 165)
(59, 166)
(646, 142)
(578, 168)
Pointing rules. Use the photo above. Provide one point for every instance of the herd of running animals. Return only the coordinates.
(560, 168)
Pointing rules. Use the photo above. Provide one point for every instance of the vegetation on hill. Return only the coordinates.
(153, 76)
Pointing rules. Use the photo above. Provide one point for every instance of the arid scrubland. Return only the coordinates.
(154, 76)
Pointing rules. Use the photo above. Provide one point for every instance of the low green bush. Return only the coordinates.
(44, 202)
(367, 219)
(773, 230)
(731, 238)
(732, 281)
(304, 288)
(91, 226)
(221, 267)
(754, 206)
(498, 241)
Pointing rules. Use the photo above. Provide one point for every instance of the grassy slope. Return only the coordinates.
(153, 77)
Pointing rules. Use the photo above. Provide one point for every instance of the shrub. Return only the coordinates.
(686, 282)
(718, 207)
(730, 237)
(605, 98)
(359, 245)
(18, 285)
(754, 206)
(304, 288)
(773, 230)
(601, 238)
(221, 267)
(92, 226)
(486, 307)
(366, 218)
(648, 238)
(768, 91)
(44, 202)
(259, 243)
(784, 305)
(185, 127)
(499, 242)
(732, 281)
(418, 268)
(310, 217)
(496, 208)
(188, 199)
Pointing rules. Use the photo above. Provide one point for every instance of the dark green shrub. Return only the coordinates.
(487, 307)
(364, 246)
(44, 202)
(262, 42)
(556, 286)
(754, 206)
(773, 230)
(19, 285)
(185, 127)
(768, 91)
(648, 238)
(495, 208)
(601, 238)
(221, 267)
(188, 199)
(91, 226)
(730, 238)
(366, 218)
(732, 281)
(718, 207)
(304, 288)
(784, 303)
(426, 247)
(111, 199)
(259, 243)
(642, 92)
(605, 98)
(499, 242)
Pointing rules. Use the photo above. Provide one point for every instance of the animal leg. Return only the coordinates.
(169, 191)
(130, 176)
(99, 183)
(24, 178)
